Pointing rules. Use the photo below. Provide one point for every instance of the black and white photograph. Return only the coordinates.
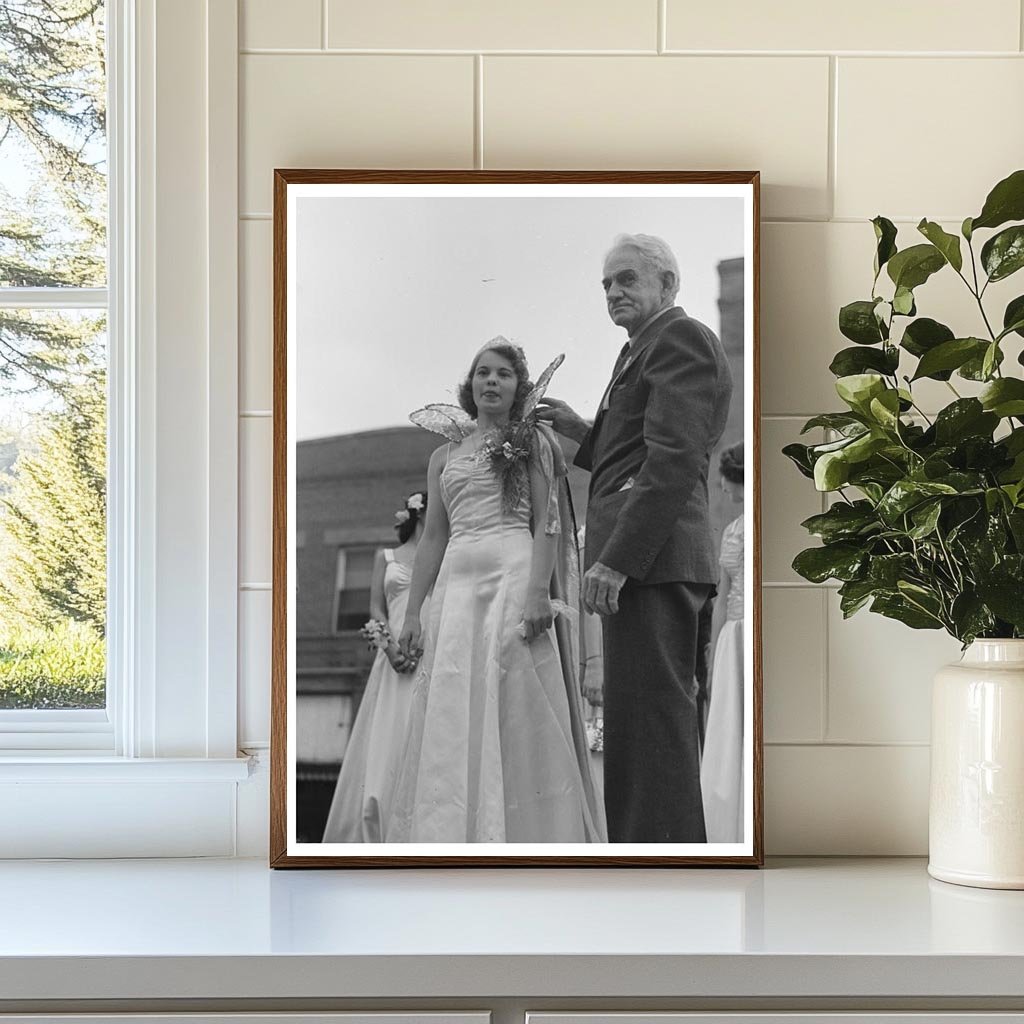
(515, 560)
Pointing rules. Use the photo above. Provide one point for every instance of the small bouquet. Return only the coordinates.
(508, 451)
(376, 634)
(595, 735)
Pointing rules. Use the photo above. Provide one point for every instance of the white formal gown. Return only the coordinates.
(496, 750)
(721, 769)
(362, 797)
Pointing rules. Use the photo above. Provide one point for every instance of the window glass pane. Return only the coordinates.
(52, 509)
(354, 592)
(53, 150)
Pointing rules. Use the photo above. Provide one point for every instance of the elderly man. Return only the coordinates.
(650, 558)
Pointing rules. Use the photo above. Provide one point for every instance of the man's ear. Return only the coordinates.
(669, 282)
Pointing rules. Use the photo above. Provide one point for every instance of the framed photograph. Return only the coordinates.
(516, 587)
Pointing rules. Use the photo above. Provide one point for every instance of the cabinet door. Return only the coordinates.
(360, 1017)
(933, 1017)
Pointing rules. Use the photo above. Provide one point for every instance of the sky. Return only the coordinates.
(396, 295)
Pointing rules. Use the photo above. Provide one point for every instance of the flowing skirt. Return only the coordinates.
(362, 797)
(494, 751)
(721, 768)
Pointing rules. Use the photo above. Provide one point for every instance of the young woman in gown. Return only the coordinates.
(721, 769)
(496, 747)
(362, 797)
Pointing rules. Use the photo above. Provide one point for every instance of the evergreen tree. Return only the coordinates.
(52, 126)
(53, 519)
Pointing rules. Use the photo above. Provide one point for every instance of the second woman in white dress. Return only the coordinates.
(362, 796)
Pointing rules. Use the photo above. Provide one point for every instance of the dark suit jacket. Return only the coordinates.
(666, 411)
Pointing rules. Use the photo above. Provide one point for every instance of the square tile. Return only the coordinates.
(793, 636)
(846, 801)
(351, 111)
(470, 25)
(946, 101)
(255, 513)
(693, 113)
(803, 25)
(255, 318)
(254, 628)
(880, 677)
(787, 499)
(269, 24)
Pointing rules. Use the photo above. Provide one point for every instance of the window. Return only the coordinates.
(53, 362)
(352, 588)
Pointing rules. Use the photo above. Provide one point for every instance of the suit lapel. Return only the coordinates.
(648, 334)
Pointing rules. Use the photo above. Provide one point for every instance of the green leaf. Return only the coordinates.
(1006, 599)
(885, 571)
(904, 495)
(831, 471)
(885, 409)
(1013, 317)
(912, 267)
(950, 355)
(899, 608)
(990, 361)
(857, 321)
(833, 420)
(1004, 397)
(1005, 202)
(840, 561)
(885, 236)
(923, 335)
(799, 455)
(858, 389)
(971, 617)
(854, 595)
(843, 521)
(1003, 254)
(925, 518)
(903, 302)
(966, 417)
(966, 229)
(974, 368)
(849, 361)
(947, 244)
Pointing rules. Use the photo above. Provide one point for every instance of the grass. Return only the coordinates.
(60, 667)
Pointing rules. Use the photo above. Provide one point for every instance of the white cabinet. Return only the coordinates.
(362, 1017)
(775, 1018)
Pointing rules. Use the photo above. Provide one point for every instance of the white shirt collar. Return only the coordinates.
(650, 320)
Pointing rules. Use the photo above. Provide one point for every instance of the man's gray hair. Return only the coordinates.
(655, 252)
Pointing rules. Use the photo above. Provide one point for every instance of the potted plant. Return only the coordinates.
(927, 521)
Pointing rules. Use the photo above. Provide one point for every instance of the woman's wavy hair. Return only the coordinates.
(730, 463)
(408, 528)
(515, 355)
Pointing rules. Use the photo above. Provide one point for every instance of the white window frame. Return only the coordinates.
(169, 741)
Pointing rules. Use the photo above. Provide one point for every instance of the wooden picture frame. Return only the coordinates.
(387, 285)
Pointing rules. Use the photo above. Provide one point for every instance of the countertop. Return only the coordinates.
(233, 929)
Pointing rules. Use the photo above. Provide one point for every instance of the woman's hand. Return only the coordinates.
(398, 660)
(537, 616)
(410, 643)
(593, 687)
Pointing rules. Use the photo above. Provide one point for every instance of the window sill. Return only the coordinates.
(79, 767)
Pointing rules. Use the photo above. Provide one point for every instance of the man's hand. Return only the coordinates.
(564, 420)
(601, 587)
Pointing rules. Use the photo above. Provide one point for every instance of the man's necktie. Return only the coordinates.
(619, 366)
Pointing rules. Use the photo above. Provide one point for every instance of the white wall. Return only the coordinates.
(906, 109)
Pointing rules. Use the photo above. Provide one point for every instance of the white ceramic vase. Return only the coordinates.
(976, 813)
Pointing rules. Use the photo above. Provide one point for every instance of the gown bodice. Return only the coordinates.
(472, 498)
(397, 577)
